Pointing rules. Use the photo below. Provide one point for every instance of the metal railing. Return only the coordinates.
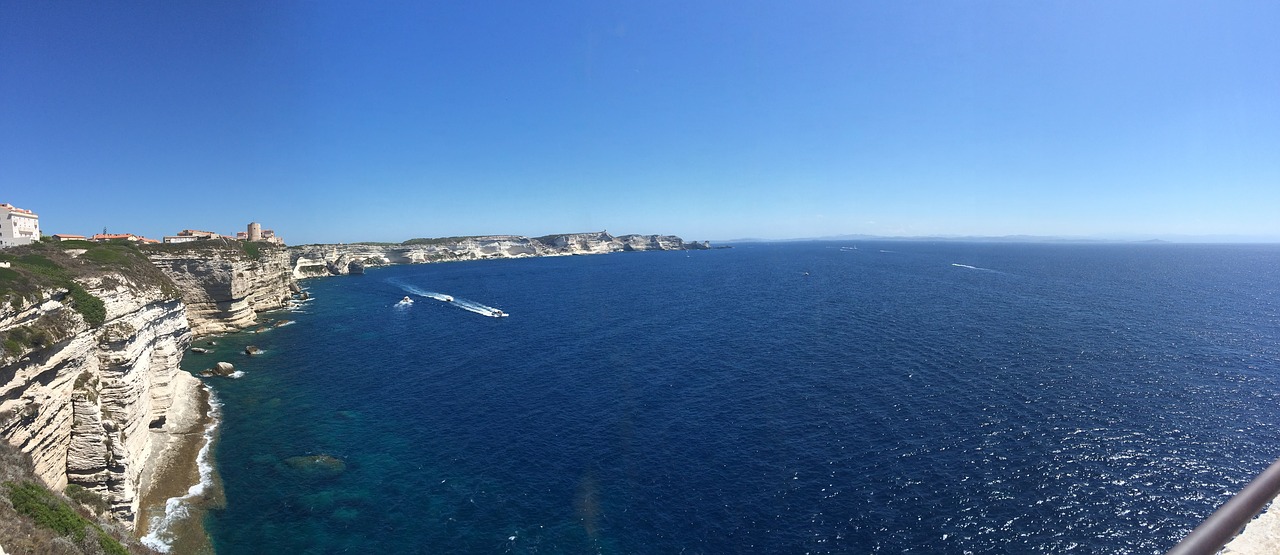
(1226, 522)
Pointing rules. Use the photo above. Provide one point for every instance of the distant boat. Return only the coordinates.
(497, 313)
(406, 300)
(447, 298)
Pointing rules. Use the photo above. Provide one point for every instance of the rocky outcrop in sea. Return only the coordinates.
(344, 259)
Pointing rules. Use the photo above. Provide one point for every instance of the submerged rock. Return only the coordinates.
(199, 350)
(317, 466)
(264, 458)
(252, 350)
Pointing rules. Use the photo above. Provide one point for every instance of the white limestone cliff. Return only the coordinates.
(93, 393)
(325, 260)
(223, 286)
(90, 406)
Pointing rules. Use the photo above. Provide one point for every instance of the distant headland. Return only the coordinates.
(353, 258)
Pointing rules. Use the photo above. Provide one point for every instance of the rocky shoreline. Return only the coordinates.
(177, 477)
(342, 259)
(90, 384)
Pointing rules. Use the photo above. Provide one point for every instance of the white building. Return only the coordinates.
(17, 226)
(191, 235)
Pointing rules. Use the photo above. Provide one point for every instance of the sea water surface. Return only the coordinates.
(770, 398)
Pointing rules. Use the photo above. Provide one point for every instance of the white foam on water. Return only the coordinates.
(160, 538)
(419, 292)
(236, 374)
(968, 267)
(472, 306)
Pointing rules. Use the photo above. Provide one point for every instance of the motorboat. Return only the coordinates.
(447, 298)
(496, 313)
(406, 300)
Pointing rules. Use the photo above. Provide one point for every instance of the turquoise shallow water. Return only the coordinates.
(768, 398)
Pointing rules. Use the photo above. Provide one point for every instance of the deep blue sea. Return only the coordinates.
(769, 398)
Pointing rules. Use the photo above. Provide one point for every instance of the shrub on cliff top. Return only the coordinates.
(251, 249)
(32, 500)
(48, 511)
(254, 250)
(91, 307)
(87, 498)
(20, 532)
(76, 244)
(43, 266)
(12, 347)
(109, 255)
(437, 240)
(48, 266)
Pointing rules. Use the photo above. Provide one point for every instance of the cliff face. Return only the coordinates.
(223, 285)
(323, 260)
(90, 404)
(92, 337)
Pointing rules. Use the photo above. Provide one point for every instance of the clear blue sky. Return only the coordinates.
(347, 121)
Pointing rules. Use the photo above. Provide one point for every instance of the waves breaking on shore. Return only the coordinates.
(161, 535)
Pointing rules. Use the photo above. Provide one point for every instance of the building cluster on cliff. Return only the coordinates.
(19, 226)
(254, 232)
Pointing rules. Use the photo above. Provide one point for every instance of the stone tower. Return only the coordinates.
(255, 231)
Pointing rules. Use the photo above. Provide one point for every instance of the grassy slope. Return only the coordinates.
(45, 266)
(34, 519)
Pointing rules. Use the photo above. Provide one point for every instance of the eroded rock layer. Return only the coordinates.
(89, 403)
(224, 286)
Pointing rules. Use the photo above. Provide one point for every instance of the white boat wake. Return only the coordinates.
(470, 306)
(478, 308)
(422, 292)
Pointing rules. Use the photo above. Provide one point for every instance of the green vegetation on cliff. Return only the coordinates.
(44, 266)
(249, 249)
(435, 240)
(34, 519)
